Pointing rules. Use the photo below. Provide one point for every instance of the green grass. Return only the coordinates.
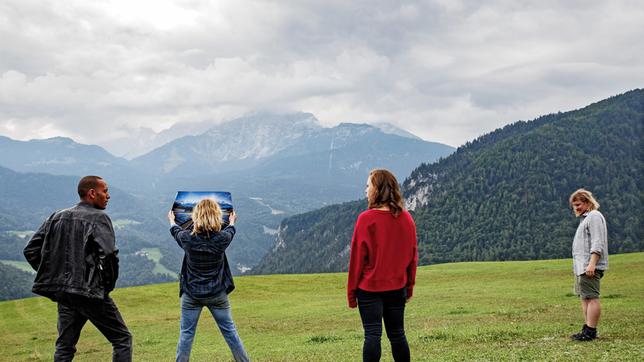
(492, 311)
(155, 255)
(22, 265)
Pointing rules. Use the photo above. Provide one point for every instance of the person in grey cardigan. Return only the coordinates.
(590, 259)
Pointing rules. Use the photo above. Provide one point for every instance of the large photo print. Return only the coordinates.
(186, 201)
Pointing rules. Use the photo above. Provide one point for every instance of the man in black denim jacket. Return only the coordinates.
(75, 258)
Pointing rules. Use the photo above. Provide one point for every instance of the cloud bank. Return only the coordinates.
(448, 71)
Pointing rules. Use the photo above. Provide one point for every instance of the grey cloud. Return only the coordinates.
(447, 70)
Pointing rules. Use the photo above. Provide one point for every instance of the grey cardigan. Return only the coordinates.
(591, 238)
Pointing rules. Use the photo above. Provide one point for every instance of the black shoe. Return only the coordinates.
(587, 334)
(576, 336)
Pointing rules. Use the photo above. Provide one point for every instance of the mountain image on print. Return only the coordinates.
(185, 202)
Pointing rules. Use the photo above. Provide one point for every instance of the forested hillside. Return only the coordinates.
(503, 196)
(15, 283)
(314, 242)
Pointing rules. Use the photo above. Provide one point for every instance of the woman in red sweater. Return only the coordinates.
(382, 266)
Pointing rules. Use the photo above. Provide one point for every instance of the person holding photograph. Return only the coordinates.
(205, 279)
(382, 266)
(589, 258)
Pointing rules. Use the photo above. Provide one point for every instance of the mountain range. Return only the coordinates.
(59, 156)
(274, 165)
(503, 196)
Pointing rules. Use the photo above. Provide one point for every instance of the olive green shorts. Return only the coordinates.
(588, 287)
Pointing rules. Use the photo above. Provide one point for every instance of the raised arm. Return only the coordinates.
(179, 235)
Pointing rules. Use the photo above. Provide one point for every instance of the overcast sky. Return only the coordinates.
(445, 70)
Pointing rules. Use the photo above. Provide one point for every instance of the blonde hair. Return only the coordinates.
(586, 197)
(385, 191)
(207, 216)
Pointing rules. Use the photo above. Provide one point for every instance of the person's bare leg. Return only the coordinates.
(593, 312)
(584, 309)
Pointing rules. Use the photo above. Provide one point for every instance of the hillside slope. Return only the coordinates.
(313, 242)
(502, 196)
(488, 311)
(505, 195)
(15, 283)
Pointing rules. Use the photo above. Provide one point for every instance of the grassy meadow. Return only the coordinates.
(463, 311)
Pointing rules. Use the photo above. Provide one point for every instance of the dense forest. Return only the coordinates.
(15, 283)
(316, 241)
(503, 196)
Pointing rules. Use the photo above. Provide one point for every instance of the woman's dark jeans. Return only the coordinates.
(374, 308)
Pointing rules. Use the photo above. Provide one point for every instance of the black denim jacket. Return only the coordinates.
(74, 251)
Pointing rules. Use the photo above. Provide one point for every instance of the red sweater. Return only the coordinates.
(384, 254)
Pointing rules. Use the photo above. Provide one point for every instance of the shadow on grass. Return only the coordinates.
(459, 310)
(324, 339)
(609, 296)
(481, 337)
(437, 336)
(613, 296)
(150, 342)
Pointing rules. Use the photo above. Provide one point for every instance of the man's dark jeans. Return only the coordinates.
(374, 308)
(73, 313)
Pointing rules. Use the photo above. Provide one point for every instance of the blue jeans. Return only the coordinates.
(374, 308)
(220, 310)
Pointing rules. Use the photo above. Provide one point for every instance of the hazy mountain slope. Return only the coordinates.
(59, 156)
(140, 141)
(232, 145)
(331, 165)
(263, 141)
(391, 129)
(285, 165)
(29, 198)
(275, 166)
